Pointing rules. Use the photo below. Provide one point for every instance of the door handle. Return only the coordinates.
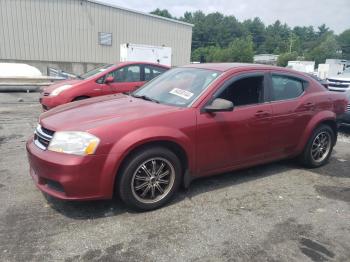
(309, 105)
(262, 113)
(97, 89)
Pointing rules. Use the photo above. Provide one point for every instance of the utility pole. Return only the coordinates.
(291, 43)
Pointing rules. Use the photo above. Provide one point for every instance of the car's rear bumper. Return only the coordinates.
(69, 177)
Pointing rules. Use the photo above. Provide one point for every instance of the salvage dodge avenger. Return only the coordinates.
(189, 122)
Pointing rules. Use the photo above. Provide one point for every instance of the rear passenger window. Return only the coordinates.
(285, 87)
(153, 71)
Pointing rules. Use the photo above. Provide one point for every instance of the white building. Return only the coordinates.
(76, 35)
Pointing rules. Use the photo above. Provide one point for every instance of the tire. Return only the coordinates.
(143, 177)
(312, 155)
(80, 98)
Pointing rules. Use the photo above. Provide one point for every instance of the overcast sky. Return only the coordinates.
(334, 13)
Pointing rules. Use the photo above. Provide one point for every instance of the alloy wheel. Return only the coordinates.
(153, 180)
(321, 147)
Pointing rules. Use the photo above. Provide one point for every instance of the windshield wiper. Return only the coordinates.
(144, 97)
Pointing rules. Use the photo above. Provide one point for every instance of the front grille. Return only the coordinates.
(340, 85)
(42, 137)
(348, 108)
(337, 90)
(46, 94)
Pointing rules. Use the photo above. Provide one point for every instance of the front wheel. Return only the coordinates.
(319, 147)
(150, 178)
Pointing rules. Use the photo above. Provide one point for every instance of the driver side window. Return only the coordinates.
(245, 91)
(126, 74)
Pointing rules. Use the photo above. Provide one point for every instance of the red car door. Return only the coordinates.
(125, 79)
(228, 139)
(292, 110)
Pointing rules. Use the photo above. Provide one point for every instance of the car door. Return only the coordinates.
(240, 137)
(292, 109)
(125, 79)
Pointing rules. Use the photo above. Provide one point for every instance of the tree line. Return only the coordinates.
(221, 38)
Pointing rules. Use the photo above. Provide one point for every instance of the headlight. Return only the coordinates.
(71, 142)
(60, 89)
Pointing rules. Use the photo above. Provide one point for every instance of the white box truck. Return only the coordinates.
(325, 71)
(302, 66)
(145, 53)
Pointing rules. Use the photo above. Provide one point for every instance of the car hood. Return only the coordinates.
(50, 88)
(341, 77)
(104, 110)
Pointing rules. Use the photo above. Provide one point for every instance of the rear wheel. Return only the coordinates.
(150, 178)
(319, 147)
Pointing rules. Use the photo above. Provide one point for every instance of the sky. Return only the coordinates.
(334, 13)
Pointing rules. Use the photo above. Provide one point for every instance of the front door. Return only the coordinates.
(126, 79)
(228, 139)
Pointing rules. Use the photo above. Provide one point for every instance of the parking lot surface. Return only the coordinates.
(274, 212)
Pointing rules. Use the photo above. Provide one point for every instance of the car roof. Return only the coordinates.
(228, 66)
(138, 63)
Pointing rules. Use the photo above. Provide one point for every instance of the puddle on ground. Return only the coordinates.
(334, 192)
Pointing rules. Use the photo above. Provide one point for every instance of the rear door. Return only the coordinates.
(126, 79)
(292, 109)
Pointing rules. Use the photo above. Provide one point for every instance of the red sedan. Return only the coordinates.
(105, 80)
(190, 122)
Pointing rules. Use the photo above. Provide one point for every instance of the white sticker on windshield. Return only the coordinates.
(181, 93)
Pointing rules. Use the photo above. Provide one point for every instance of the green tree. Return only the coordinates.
(277, 38)
(285, 57)
(306, 39)
(239, 50)
(327, 48)
(257, 30)
(217, 37)
(163, 13)
(344, 42)
(322, 30)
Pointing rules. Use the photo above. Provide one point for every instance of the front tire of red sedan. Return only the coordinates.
(319, 147)
(149, 178)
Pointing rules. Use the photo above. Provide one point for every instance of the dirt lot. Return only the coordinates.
(275, 212)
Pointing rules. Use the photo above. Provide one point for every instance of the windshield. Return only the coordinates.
(95, 71)
(178, 87)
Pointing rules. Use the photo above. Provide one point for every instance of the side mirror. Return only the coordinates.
(109, 79)
(219, 105)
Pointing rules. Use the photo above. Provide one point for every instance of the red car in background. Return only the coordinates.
(105, 80)
(190, 122)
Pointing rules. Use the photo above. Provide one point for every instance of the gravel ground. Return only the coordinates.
(275, 212)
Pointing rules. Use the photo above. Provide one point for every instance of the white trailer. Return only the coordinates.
(302, 66)
(329, 70)
(145, 53)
